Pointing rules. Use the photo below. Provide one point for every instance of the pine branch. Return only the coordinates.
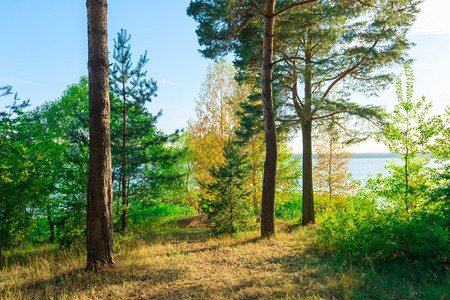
(259, 8)
(292, 6)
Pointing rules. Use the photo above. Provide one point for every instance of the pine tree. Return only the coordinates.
(138, 147)
(241, 25)
(319, 43)
(250, 134)
(99, 219)
(225, 196)
(345, 47)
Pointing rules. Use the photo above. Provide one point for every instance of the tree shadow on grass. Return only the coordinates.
(216, 247)
(176, 234)
(332, 277)
(79, 280)
(25, 257)
(246, 289)
(189, 236)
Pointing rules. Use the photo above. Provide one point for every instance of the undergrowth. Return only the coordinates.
(362, 230)
(174, 263)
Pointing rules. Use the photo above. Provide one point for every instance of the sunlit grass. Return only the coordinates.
(173, 263)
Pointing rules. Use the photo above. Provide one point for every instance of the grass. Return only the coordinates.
(173, 263)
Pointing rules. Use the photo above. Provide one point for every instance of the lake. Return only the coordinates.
(362, 165)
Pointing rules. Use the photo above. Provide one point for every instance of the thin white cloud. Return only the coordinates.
(433, 18)
(169, 83)
(11, 81)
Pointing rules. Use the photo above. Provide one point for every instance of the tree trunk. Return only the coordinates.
(1, 242)
(231, 208)
(123, 217)
(254, 181)
(50, 224)
(1, 246)
(99, 221)
(270, 164)
(330, 165)
(308, 196)
(406, 181)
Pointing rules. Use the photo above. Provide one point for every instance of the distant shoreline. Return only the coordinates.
(361, 155)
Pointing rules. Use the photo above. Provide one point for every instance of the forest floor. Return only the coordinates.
(174, 263)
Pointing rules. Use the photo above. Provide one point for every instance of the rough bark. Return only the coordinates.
(99, 221)
(308, 196)
(270, 164)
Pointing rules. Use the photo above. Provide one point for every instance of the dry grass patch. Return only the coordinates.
(189, 264)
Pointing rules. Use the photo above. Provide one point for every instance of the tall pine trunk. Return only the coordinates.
(123, 217)
(99, 221)
(270, 164)
(308, 196)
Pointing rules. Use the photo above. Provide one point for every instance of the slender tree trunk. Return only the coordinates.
(270, 164)
(406, 163)
(254, 181)
(330, 161)
(231, 208)
(1, 245)
(99, 221)
(50, 224)
(123, 217)
(406, 181)
(308, 196)
(189, 197)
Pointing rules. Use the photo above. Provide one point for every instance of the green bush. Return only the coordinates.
(290, 208)
(147, 215)
(362, 230)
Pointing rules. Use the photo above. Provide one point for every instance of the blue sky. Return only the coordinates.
(44, 49)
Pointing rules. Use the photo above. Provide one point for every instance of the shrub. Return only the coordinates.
(362, 230)
(290, 208)
(148, 215)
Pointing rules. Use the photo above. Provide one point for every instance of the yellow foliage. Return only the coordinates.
(6, 179)
(330, 171)
(215, 120)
